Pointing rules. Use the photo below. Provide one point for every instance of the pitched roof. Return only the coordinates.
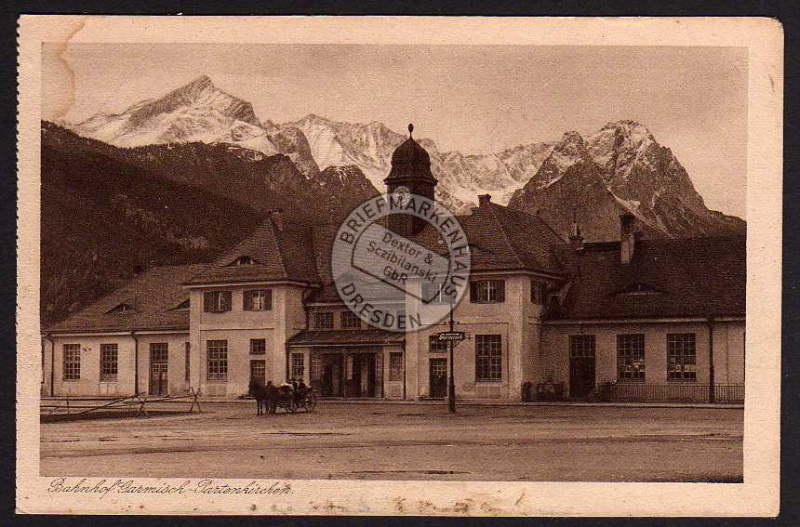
(346, 337)
(504, 239)
(692, 277)
(279, 251)
(154, 298)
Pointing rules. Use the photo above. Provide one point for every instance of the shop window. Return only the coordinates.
(630, 358)
(681, 357)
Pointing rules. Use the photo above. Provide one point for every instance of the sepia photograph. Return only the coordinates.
(275, 269)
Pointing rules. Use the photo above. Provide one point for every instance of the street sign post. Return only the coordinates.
(453, 337)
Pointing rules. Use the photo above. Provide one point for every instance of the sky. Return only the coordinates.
(475, 99)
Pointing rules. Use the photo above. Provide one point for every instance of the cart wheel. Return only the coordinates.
(311, 402)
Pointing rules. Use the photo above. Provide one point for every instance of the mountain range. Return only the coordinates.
(181, 177)
(620, 168)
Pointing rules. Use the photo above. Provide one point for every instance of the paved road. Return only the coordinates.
(382, 441)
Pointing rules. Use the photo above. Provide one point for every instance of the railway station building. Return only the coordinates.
(544, 318)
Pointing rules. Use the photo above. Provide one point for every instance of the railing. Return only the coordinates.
(672, 392)
(78, 407)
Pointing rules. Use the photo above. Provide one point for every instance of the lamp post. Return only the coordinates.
(451, 387)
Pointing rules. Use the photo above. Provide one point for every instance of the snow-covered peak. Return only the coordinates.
(618, 145)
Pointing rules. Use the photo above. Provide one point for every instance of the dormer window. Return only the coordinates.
(121, 309)
(182, 305)
(243, 260)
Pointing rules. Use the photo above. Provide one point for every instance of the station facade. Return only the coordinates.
(543, 317)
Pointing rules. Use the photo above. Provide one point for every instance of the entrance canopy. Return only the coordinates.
(346, 338)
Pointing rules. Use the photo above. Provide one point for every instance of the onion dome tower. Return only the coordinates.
(411, 174)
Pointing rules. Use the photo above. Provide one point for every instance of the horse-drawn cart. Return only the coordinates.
(291, 401)
(270, 398)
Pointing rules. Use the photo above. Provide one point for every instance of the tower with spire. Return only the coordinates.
(411, 173)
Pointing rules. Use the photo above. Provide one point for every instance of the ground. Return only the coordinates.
(404, 441)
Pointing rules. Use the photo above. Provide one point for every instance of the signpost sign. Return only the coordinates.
(453, 336)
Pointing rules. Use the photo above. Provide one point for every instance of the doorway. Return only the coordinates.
(158, 369)
(438, 378)
(581, 377)
(361, 381)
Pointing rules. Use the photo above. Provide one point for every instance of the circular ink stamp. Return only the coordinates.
(401, 282)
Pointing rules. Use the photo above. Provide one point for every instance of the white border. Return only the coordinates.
(757, 496)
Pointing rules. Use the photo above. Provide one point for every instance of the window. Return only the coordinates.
(217, 360)
(187, 363)
(298, 366)
(538, 292)
(122, 309)
(108, 362)
(258, 300)
(182, 305)
(258, 372)
(258, 346)
(72, 362)
(395, 366)
(681, 357)
(488, 358)
(432, 293)
(350, 320)
(243, 260)
(487, 291)
(217, 301)
(630, 357)
(581, 346)
(437, 345)
(323, 320)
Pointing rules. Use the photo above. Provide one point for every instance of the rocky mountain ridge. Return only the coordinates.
(638, 174)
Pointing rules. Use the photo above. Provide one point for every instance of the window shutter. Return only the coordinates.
(268, 299)
(207, 302)
(247, 303)
(226, 300)
(501, 290)
(473, 292)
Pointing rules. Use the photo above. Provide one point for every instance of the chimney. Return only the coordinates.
(627, 245)
(276, 215)
(575, 236)
(484, 199)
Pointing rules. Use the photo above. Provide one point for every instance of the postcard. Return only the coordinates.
(399, 266)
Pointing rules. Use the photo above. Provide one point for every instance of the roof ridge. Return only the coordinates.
(281, 256)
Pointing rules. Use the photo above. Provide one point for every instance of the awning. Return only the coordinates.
(344, 338)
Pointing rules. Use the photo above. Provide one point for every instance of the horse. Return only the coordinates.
(265, 397)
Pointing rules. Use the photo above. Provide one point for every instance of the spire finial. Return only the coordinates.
(410, 130)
